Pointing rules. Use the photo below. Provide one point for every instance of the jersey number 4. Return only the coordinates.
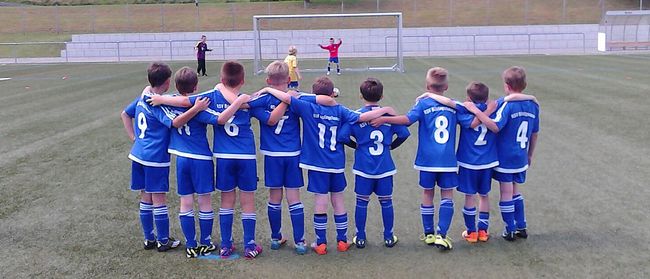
(522, 137)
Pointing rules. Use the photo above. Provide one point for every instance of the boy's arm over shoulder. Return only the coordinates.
(402, 134)
(233, 108)
(175, 101)
(277, 114)
(375, 113)
(200, 105)
(489, 123)
(513, 97)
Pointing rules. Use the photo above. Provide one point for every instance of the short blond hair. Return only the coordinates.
(515, 77)
(437, 79)
(277, 72)
(293, 50)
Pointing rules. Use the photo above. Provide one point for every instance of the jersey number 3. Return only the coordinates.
(376, 150)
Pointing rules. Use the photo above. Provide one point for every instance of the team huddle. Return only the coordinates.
(497, 141)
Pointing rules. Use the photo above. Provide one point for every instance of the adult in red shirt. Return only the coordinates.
(333, 48)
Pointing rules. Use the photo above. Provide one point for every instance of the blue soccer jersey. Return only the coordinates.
(517, 121)
(436, 136)
(152, 126)
(130, 109)
(477, 147)
(190, 140)
(282, 139)
(321, 149)
(372, 158)
(234, 140)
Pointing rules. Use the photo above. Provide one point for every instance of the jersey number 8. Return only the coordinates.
(441, 135)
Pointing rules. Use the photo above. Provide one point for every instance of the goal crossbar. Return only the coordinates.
(399, 59)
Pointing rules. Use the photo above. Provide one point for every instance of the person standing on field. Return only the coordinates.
(201, 48)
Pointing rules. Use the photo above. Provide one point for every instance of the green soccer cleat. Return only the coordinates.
(429, 238)
(391, 241)
(443, 243)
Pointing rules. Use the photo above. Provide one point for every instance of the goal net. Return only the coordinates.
(370, 41)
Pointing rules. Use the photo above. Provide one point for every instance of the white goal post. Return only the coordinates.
(384, 52)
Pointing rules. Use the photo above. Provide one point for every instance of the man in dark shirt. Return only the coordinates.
(201, 48)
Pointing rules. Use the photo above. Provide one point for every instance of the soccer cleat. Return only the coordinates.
(509, 236)
(276, 244)
(149, 244)
(483, 235)
(192, 252)
(301, 248)
(429, 238)
(171, 244)
(328, 73)
(251, 253)
(226, 252)
(470, 237)
(521, 233)
(207, 249)
(342, 246)
(391, 241)
(319, 249)
(360, 243)
(338, 73)
(443, 243)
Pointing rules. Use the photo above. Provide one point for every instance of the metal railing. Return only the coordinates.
(220, 47)
(529, 36)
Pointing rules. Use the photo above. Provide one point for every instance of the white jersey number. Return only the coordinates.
(321, 136)
(278, 128)
(378, 136)
(481, 138)
(522, 138)
(231, 129)
(142, 124)
(185, 128)
(441, 135)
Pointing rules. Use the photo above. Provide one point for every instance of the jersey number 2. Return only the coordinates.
(481, 137)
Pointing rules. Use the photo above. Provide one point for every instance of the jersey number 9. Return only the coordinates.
(142, 124)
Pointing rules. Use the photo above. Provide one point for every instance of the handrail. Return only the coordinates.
(474, 36)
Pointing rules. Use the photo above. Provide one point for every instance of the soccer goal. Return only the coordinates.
(370, 41)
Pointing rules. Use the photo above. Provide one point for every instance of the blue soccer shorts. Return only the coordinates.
(444, 180)
(149, 179)
(293, 84)
(194, 176)
(325, 182)
(519, 177)
(240, 173)
(283, 171)
(334, 60)
(472, 182)
(380, 186)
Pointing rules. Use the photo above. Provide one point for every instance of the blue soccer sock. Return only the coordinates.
(427, 213)
(206, 220)
(360, 215)
(446, 213)
(520, 214)
(508, 214)
(161, 218)
(187, 225)
(146, 220)
(320, 227)
(341, 222)
(387, 215)
(248, 223)
(469, 214)
(275, 219)
(297, 212)
(225, 225)
(483, 221)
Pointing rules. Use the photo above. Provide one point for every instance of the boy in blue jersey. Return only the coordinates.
(234, 148)
(436, 157)
(324, 158)
(194, 169)
(280, 144)
(150, 166)
(517, 124)
(373, 164)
